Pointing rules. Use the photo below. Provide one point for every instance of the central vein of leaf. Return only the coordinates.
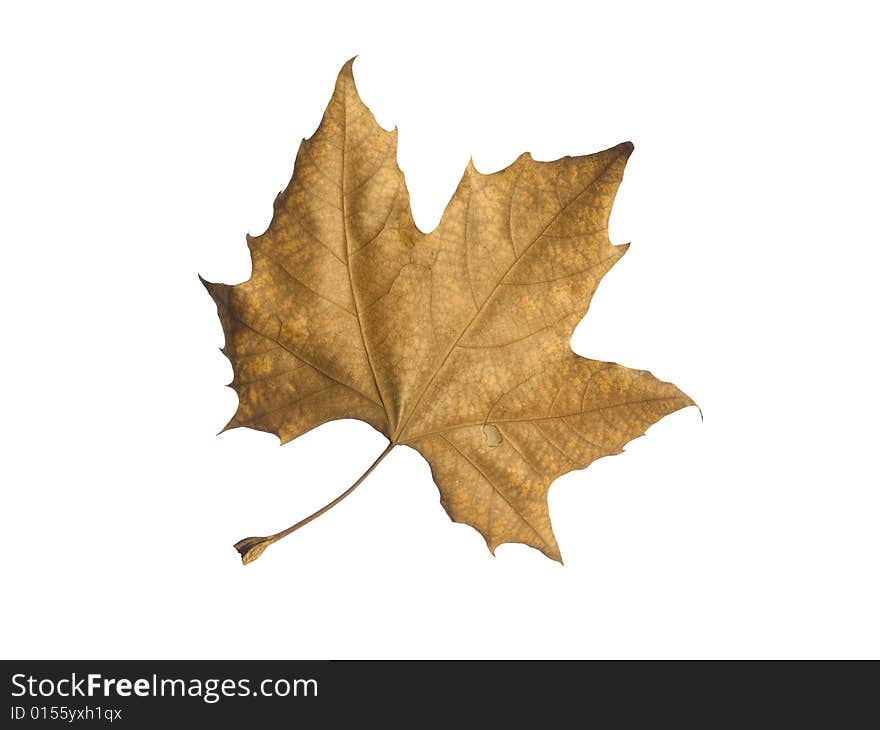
(354, 296)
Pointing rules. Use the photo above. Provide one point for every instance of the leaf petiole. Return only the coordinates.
(250, 548)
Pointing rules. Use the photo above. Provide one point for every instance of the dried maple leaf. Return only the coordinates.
(454, 342)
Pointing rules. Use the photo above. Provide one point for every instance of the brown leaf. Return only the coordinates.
(454, 342)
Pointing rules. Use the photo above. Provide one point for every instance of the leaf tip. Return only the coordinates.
(233, 423)
(218, 292)
(251, 548)
(690, 402)
(551, 549)
(347, 68)
(552, 552)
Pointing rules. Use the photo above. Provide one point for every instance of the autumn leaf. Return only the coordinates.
(453, 342)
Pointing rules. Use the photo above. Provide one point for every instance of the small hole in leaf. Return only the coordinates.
(493, 435)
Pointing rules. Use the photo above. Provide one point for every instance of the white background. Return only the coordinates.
(138, 148)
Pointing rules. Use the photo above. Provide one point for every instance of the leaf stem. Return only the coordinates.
(250, 548)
